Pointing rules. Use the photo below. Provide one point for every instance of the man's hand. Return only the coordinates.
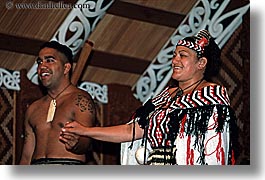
(70, 141)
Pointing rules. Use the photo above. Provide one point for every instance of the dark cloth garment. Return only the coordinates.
(56, 161)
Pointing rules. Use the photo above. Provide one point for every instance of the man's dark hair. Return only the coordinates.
(61, 48)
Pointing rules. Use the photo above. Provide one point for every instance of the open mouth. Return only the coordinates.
(177, 67)
(44, 75)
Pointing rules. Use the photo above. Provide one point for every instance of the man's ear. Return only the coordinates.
(202, 63)
(67, 68)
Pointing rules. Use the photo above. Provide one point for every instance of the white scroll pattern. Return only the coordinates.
(9, 79)
(99, 92)
(205, 14)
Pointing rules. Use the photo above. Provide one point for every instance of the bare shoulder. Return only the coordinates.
(84, 107)
(36, 111)
(83, 100)
(36, 104)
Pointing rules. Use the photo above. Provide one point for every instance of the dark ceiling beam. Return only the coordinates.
(117, 62)
(146, 14)
(97, 58)
(19, 44)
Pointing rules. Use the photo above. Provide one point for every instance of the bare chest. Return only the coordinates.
(64, 112)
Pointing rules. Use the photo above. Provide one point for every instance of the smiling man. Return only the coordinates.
(63, 103)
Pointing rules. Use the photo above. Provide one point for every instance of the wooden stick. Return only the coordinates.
(86, 50)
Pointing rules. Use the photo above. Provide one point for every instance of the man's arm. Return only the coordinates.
(29, 143)
(85, 115)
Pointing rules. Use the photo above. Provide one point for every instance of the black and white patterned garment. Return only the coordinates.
(195, 129)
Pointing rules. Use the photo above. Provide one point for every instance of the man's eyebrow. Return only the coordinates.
(47, 57)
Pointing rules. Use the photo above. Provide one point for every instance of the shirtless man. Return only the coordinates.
(63, 103)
